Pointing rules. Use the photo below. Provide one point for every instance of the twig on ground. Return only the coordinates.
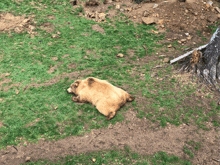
(187, 54)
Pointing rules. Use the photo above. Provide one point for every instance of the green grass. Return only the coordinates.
(31, 114)
(117, 157)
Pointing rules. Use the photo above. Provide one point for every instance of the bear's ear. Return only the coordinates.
(91, 80)
(76, 83)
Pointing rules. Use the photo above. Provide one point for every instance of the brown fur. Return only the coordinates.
(106, 97)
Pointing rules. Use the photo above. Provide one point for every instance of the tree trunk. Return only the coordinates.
(211, 68)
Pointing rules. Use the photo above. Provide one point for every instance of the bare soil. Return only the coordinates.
(137, 134)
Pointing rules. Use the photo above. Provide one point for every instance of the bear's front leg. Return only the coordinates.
(75, 98)
(78, 99)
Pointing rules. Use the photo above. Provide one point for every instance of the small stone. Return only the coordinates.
(169, 46)
(183, 40)
(128, 9)
(149, 20)
(195, 13)
(217, 9)
(155, 6)
(189, 37)
(134, 17)
(218, 15)
(160, 22)
(58, 33)
(122, 10)
(7, 74)
(54, 58)
(166, 60)
(117, 7)
(102, 16)
(179, 42)
(120, 55)
(212, 18)
(93, 159)
(28, 159)
(146, 13)
(55, 36)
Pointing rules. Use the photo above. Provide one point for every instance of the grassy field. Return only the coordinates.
(32, 109)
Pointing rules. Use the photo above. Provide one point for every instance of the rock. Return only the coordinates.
(122, 10)
(160, 22)
(7, 74)
(28, 159)
(117, 7)
(183, 40)
(120, 55)
(54, 36)
(107, 1)
(218, 15)
(102, 16)
(166, 60)
(146, 13)
(169, 46)
(134, 17)
(189, 37)
(212, 18)
(155, 6)
(179, 42)
(149, 20)
(217, 9)
(128, 9)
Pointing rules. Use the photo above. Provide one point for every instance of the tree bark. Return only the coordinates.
(211, 68)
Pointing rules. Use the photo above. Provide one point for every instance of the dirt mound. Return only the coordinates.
(19, 24)
(187, 17)
(177, 16)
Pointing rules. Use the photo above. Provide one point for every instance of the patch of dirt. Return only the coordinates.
(97, 28)
(52, 69)
(52, 17)
(187, 22)
(19, 24)
(137, 134)
(48, 27)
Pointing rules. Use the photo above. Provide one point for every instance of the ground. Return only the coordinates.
(46, 46)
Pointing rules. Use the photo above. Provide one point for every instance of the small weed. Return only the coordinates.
(188, 151)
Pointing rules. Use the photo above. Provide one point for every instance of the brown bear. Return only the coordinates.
(106, 97)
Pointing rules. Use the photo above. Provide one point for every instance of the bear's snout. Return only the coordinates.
(69, 90)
